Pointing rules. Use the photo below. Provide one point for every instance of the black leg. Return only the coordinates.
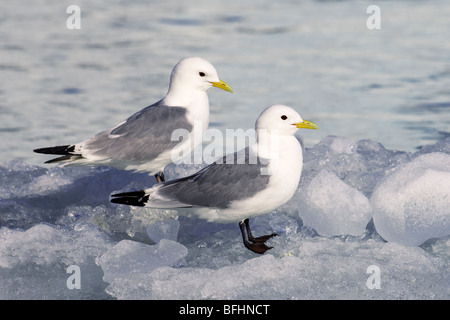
(159, 177)
(257, 246)
(258, 239)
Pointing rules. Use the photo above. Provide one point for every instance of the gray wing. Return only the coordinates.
(220, 183)
(143, 136)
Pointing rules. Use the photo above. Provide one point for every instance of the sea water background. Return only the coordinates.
(372, 88)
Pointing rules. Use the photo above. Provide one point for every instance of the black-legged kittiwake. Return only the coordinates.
(144, 141)
(248, 183)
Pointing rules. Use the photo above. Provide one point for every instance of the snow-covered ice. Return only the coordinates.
(52, 218)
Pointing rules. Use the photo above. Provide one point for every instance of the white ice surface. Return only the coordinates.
(412, 204)
(52, 218)
(332, 207)
(163, 229)
(128, 258)
(325, 269)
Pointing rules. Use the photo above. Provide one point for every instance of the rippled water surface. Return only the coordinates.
(62, 86)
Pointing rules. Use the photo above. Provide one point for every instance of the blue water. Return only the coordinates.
(61, 86)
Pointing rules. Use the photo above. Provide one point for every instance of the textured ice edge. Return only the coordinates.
(52, 218)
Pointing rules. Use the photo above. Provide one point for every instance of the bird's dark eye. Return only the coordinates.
(201, 74)
(283, 117)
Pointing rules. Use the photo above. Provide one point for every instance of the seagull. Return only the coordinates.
(144, 142)
(251, 182)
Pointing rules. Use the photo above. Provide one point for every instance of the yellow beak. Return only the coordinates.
(222, 85)
(307, 125)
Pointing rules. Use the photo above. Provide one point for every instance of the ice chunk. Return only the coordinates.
(44, 244)
(333, 208)
(34, 263)
(335, 145)
(334, 153)
(322, 269)
(283, 224)
(440, 146)
(341, 144)
(359, 164)
(47, 183)
(412, 204)
(128, 258)
(55, 217)
(163, 229)
(441, 247)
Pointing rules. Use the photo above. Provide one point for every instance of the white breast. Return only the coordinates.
(285, 170)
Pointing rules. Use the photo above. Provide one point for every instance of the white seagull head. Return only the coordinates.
(282, 119)
(195, 73)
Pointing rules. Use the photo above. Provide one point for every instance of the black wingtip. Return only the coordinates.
(65, 151)
(69, 157)
(135, 198)
(61, 150)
